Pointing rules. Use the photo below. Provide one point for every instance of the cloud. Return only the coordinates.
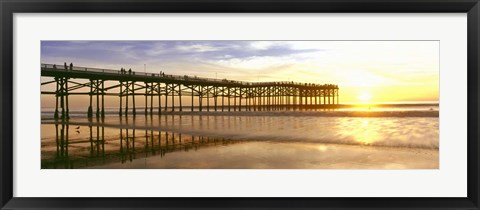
(169, 51)
(197, 48)
(246, 60)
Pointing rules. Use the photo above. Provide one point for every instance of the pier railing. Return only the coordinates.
(64, 68)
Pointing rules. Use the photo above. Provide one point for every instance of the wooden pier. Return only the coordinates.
(205, 94)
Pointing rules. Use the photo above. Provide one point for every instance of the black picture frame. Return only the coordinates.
(10, 7)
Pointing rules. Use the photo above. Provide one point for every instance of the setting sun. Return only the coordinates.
(365, 97)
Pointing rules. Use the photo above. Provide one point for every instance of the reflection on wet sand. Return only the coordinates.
(241, 142)
(128, 145)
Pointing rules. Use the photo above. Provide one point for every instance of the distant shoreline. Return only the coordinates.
(346, 105)
(366, 113)
(387, 105)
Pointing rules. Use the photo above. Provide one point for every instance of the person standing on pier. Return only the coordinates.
(65, 65)
(71, 66)
(130, 71)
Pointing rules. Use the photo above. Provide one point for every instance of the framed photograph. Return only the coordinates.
(239, 105)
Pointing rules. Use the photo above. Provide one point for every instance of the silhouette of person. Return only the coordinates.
(54, 66)
(65, 64)
(71, 66)
(129, 71)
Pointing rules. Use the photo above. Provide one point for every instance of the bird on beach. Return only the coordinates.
(77, 127)
(78, 131)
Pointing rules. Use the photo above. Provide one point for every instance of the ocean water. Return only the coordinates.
(350, 138)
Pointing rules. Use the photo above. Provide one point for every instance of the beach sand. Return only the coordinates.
(164, 150)
(269, 155)
(242, 142)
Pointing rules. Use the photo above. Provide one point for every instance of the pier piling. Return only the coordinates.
(240, 96)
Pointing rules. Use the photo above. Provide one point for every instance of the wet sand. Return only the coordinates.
(241, 142)
(269, 155)
(148, 149)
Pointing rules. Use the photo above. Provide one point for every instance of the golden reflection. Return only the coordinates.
(367, 106)
(365, 122)
(366, 133)
(322, 148)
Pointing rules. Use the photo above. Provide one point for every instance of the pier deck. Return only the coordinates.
(239, 95)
